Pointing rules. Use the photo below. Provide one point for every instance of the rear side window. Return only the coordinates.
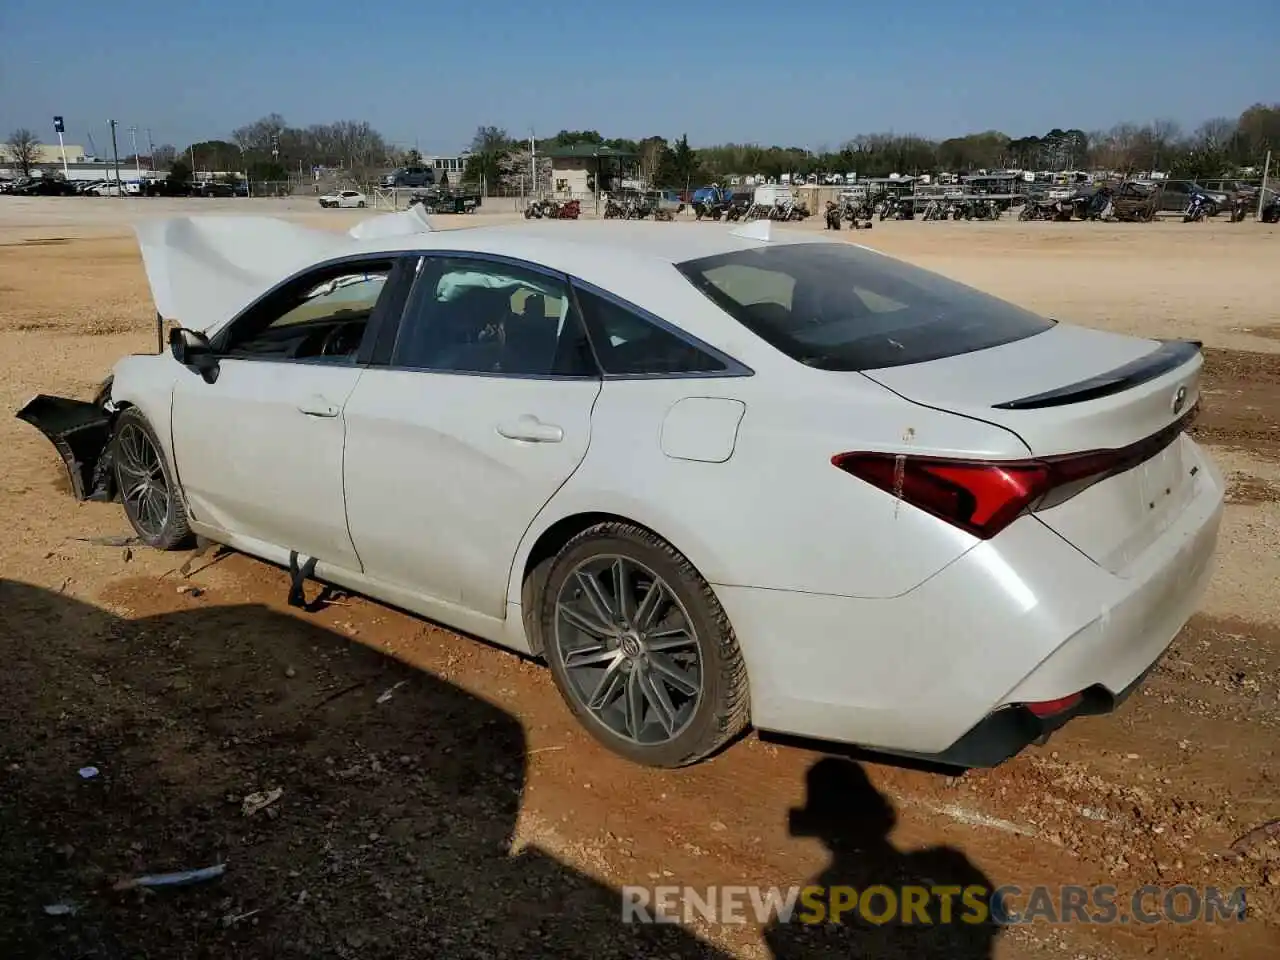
(628, 344)
(838, 307)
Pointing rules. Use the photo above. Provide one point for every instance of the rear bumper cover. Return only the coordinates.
(939, 672)
(81, 433)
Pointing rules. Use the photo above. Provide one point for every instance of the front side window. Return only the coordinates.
(322, 317)
(837, 307)
(478, 316)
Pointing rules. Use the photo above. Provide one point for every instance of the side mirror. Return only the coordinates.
(192, 349)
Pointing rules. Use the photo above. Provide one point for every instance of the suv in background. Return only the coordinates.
(1234, 187)
(410, 177)
(1177, 194)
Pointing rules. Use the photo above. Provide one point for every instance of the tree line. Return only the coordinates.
(271, 149)
(1217, 147)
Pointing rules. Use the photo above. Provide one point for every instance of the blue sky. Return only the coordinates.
(764, 73)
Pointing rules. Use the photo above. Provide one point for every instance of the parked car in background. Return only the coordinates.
(1239, 188)
(1178, 193)
(344, 198)
(213, 188)
(410, 177)
(42, 187)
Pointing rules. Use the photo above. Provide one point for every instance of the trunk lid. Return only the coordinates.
(1071, 390)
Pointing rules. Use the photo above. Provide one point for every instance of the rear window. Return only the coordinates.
(838, 307)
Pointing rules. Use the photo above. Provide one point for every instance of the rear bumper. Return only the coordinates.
(939, 672)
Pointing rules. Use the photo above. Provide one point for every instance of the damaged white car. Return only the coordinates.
(713, 477)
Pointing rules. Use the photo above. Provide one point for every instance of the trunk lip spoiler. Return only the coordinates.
(1170, 355)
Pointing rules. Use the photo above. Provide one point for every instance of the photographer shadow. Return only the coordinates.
(854, 820)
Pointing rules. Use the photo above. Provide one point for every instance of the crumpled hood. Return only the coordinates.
(203, 270)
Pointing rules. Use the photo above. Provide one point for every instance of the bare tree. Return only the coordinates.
(23, 148)
(262, 134)
(1215, 135)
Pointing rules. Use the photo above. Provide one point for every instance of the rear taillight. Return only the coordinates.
(982, 497)
(985, 496)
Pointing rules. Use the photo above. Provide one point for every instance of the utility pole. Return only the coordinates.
(59, 128)
(533, 163)
(1262, 191)
(115, 153)
(151, 151)
(137, 161)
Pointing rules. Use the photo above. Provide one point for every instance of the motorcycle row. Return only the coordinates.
(548, 209)
(858, 213)
(787, 210)
(970, 209)
(636, 208)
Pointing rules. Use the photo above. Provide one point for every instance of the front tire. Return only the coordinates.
(148, 492)
(640, 648)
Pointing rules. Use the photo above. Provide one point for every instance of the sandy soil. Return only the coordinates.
(467, 815)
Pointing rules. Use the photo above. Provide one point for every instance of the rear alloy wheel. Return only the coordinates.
(148, 493)
(640, 648)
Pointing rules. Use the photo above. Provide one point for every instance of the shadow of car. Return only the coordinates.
(392, 837)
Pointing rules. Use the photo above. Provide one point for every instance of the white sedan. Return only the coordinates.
(344, 198)
(713, 478)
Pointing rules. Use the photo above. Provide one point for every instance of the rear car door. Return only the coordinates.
(258, 442)
(481, 414)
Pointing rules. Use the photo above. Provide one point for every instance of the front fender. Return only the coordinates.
(81, 433)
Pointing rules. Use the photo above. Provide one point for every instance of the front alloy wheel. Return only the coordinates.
(150, 499)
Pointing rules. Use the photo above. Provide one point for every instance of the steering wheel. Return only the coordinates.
(341, 341)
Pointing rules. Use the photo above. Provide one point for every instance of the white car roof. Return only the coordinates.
(204, 270)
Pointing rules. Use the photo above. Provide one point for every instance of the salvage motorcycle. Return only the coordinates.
(895, 208)
(708, 210)
(935, 210)
(1199, 208)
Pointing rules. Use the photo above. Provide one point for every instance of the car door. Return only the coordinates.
(481, 414)
(258, 441)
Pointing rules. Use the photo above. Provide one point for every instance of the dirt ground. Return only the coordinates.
(438, 800)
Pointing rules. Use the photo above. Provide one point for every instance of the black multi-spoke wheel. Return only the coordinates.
(640, 647)
(147, 491)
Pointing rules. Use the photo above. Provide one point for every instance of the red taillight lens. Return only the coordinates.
(982, 497)
(1051, 708)
(985, 496)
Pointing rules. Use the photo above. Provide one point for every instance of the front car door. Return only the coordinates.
(482, 413)
(258, 445)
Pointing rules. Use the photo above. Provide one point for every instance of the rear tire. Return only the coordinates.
(655, 674)
(148, 490)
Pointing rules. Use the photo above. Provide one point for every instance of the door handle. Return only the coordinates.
(529, 428)
(318, 406)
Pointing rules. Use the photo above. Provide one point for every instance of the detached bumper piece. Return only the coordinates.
(81, 433)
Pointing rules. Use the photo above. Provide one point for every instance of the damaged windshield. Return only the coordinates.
(840, 307)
